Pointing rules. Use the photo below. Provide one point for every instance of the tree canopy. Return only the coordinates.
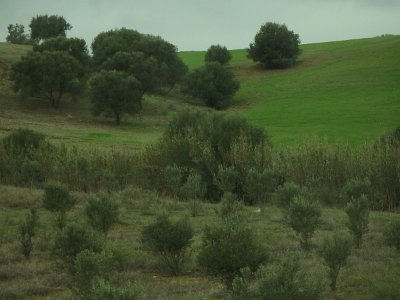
(154, 58)
(212, 83)
(48, 74)
(16, 34)
(114, 93)
(45, 26)
(217, 53)
(275, 46)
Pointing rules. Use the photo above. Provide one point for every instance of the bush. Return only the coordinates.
(73, 239)
(227, 179)
(57, 199)
(212, 83)
(392, 234)
(288, 281)
(358, 212)
(355, 188)
(27, 229)
(259, 185)
(23, 141)
(230, 205)
(275, 46)
(217, 53)
(335, 251)
(31, 172)
(103, 290)
(304, 217)
(173, 177)
(229, 247)
(169, 240)
(286, 193)
(194, 188)
(102, 212)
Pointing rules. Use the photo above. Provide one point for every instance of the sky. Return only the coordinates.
(197, 24)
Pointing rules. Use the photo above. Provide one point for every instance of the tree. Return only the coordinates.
(16, 34)
(304, 218)
(73, 46)
(392, 234)
(45, 26)
(58, 199)
(335, 250)
(115, 93)
(102, 212)
(212, 83)
(27, 229)
(275, 46)
(169, 239)
(47, 74)
(229, 247)
(217, 53)
(357, 210)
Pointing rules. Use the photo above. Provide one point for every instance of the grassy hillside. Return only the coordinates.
(347, 90)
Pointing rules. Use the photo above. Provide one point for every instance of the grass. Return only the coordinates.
(372, 271)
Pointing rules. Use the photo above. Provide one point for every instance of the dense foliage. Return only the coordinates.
(217, 53)
(275, 46)
(16, 34)
(45, 26)
(213, 83)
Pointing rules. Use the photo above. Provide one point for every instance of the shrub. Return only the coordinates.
(27, 229)
(258, 185)
(194, 188)
(109, 181)
(230, 204)
(212, 83)
(23, 141)
(275, 46)
(304, 218)
(217, 53)
(169, 240)
(73, 239)
(241, 285)
(227, 179)
(355, 188)
(285, 194)
(288, 281)
(103, 290)
(31, 172)
(173, 177)
(335, 251)
(358, 212)
(229, 247)
(392, 234)
(102, 212)
(58, 199)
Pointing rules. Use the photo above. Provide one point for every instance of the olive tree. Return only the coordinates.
(114, 93)
(217, 53)
(275, 46)
(212, 83)
(45, 26)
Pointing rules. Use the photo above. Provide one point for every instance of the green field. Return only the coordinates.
(343, 91)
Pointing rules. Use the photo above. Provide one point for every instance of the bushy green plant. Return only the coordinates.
(230, 204)
(108, 181)
(73, 239)
(288, 281)
(227, 179)
(31, 172)
(304, 217)
(258, 185)
(103, 290)
(102, 212)
(285, 194)
(241, 285)
(23, 141)
(229, 247)
(357, 210)
(194, 187)
(355, 188)
(392, 234)
(335, 250)
(168, 239)
(27, 229)
(217, 53)
(173, 177)
(58, 199)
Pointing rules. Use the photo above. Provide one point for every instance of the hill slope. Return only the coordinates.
(347, 90)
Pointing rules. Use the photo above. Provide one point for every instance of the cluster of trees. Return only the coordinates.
(126, 64)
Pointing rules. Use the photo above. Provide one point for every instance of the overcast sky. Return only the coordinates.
(197, 24)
